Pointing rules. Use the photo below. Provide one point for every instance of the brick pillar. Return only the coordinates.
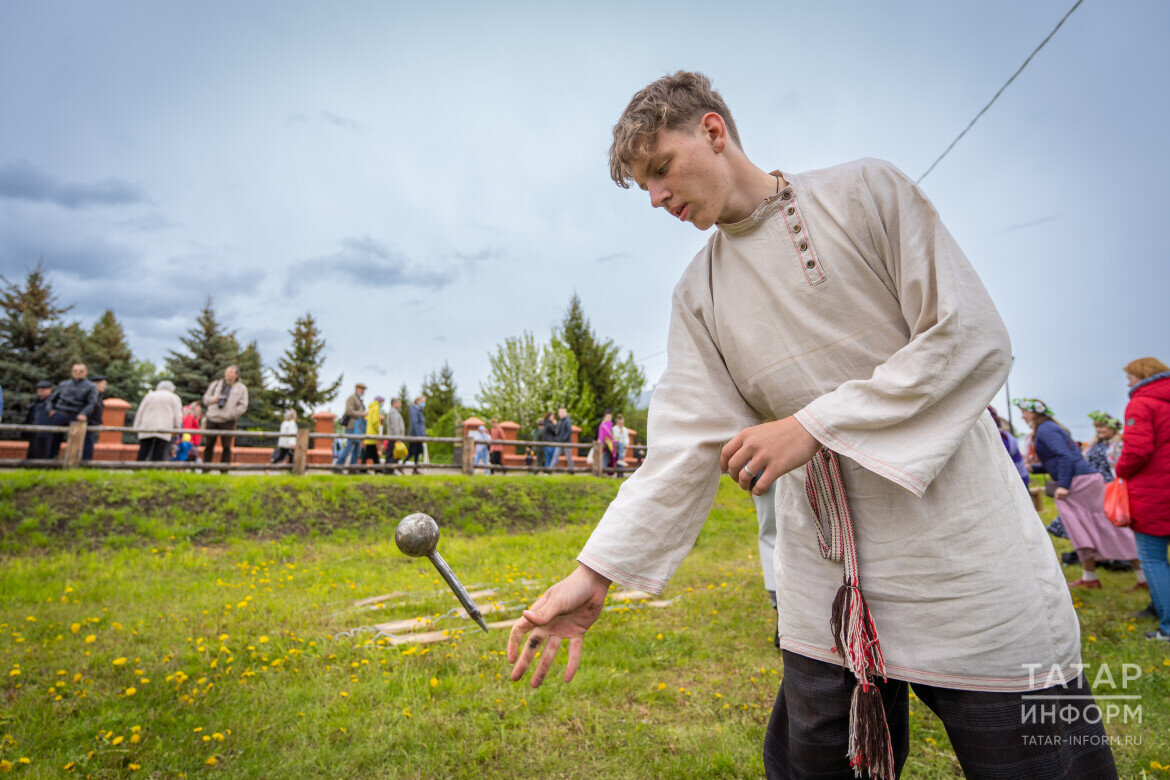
(323, 423)
(114, 415)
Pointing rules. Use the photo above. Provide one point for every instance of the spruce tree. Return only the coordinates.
(263, 411)
(105, 351)
(209, 349)
(601, 373)
(441, 392)
(35, 342)
(297, 378)
(404, 394)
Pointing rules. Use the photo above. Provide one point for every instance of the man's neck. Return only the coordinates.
(750, 186)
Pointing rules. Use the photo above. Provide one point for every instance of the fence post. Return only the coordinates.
(301, 453)
(595, 459)
(74, 444)
(468, 462)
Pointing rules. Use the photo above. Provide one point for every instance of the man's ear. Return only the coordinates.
(714, 129)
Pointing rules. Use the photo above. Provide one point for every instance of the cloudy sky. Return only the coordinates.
(429, 179)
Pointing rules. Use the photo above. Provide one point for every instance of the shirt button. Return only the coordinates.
(803, 246)
(811, 264)
(786, 195)
(791, 210)
(796, 229)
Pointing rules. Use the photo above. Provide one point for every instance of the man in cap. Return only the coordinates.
(38, 414)
(225, 400)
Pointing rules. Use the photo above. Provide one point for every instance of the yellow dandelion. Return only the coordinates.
(119, 662)
(662, 686)
(262, 639)
(134, 767)
(5, 765)
(434, 682)
(131, 691)
(75, 628)
(217, 737)
(89, 640)
(118, 740)
(134, 738)
(212, 761)
(344, 695)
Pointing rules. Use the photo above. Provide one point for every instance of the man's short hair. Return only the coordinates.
(670, 103)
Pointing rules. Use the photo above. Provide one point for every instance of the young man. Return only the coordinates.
(832, 321)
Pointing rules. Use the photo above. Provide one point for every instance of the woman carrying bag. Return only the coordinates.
(1145, 466)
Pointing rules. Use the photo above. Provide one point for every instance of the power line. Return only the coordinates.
(997, 94)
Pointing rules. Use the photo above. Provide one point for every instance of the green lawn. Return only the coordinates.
(181, 625)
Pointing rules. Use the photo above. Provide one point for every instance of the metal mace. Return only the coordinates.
(418, 535)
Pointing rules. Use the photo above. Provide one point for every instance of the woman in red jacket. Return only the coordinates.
(1145, 465)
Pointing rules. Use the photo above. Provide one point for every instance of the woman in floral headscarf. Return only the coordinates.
(1103, 453)
(1080, 496)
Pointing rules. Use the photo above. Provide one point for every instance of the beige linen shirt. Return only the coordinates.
(844, 301)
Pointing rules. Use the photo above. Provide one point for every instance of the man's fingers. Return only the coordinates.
(515, 637)
(728, 451)
(574, 658)
(767, 477)
(546, 661)
(527, 654)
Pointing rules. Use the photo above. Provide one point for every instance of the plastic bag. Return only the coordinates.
(1117, 503)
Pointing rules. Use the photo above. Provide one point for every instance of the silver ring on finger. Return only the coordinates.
(751, 473)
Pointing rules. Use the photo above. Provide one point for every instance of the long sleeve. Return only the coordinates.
(905, 421)
(176, 411)
(658, 513)
(1053, 453)
(1138, 444)
(211, 395)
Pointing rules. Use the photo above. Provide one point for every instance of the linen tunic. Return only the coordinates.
(843, 300)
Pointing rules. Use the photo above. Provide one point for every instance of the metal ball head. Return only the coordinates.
(417, 535)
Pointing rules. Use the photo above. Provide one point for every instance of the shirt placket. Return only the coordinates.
(802, 242)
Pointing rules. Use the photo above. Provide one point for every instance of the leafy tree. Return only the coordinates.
(441, 392)
(527, 380)
(297, 378)
(601, 373)
(404, 394)
(35, 342)
(210, 348)
(105, 351)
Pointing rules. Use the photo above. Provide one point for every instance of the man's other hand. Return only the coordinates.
(565, 611)
(760, 455)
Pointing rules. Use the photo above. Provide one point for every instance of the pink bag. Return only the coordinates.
(1117, 503)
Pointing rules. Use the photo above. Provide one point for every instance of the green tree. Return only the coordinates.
(35, 341)
(209, 349)
(441, 392)
(297, 378)
(602, 374)
(527, 380)
(263, 410)
(404, 394)
(105, 351)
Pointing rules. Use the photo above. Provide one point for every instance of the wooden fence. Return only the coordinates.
(73, 446)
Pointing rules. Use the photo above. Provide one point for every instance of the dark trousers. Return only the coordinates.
(38, 446)
(87, 450)
(808, 734)
(153, 449)
(55, 440)
(209, 440)
(495, 458)
(281, 454)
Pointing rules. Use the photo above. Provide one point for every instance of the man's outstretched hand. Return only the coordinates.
(565, 611)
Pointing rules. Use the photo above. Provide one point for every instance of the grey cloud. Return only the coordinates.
(487, 253)
(369, 262)
(612, 257)
(73, 253)
(24, 181)
(326, 116)
(148, 223)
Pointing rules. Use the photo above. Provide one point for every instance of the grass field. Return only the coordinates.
(181, 625)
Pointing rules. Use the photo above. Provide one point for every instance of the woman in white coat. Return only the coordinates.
(160, 408)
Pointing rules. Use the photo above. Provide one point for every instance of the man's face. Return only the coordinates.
(79, 371)
(684, 175)
(44, 392)
(396, 403)
(562, 413)
(230, 375)
(360, 390)
(101, 385)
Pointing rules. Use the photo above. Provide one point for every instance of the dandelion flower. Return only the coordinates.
(89, 640)
(75, 627)
(119, 662)
(131, 691)
(118, 740)
(212, 761)
(134, 767)
(434, 682)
